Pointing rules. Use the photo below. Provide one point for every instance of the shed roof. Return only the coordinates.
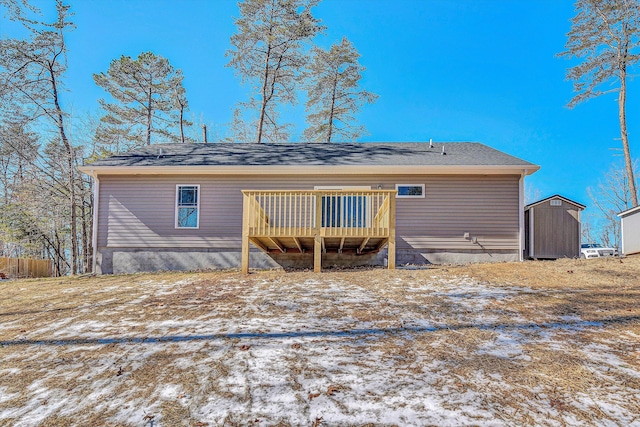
(300, 154)
(555, 196)
(629, 212)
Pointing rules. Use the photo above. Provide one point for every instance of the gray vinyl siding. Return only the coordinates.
(139, 211)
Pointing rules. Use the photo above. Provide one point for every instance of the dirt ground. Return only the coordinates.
(533, 343)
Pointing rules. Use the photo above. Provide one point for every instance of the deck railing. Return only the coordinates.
(328, 212)
(318, 213)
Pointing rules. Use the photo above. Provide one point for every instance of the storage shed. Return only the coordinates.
(630, 230)
(552, 228)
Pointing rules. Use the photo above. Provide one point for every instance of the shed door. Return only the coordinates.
(556, 231)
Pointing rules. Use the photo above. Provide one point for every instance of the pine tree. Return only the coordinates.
(333, 94)
(149, 101)
(605, 35)
(267, 52)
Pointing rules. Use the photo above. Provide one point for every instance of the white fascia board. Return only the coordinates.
(310, 170)
(546, 199)
(88, 170)
(629, 212)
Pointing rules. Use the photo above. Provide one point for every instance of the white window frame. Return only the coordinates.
(176, 224)
(409, 196)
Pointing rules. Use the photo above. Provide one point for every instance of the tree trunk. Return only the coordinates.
(263, 107)
(149, 118)
(70, 173)
(58, 250)
(181, 123)
(90, 230)
(622, 100)
(333, 105)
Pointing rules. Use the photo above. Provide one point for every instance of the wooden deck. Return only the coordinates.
(319, 221)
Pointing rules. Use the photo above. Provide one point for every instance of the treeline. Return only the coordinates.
(46, 205)
(273, 51)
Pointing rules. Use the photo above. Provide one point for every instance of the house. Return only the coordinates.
(552, 228)
(196, 206)
(630, 230)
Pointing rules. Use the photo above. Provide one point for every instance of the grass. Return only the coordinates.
(534, 343)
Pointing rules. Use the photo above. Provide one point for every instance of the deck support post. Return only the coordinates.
(245, 234)
(317, 238)
(317, 253)
(391, 251)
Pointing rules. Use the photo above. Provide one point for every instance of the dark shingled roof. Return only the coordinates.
(555, 196)
(335, 154)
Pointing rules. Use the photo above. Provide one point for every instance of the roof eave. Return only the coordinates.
(313, 170)
(555, 196)
(629, 212)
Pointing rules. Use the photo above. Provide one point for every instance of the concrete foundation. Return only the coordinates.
(469, 257)
(120, 260)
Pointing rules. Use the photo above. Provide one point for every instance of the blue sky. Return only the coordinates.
(450, 70)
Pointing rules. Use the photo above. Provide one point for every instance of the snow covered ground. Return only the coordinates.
(406, 348)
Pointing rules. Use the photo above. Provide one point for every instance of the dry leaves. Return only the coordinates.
(332, 389)
(524, 299)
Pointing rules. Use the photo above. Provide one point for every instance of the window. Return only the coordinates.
(556, 202)
(187, 206)
(410, 191)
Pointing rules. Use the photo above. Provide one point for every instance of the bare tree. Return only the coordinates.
(604, 36)
(611, 196)
(239, 131)
(180, 105)
(31, 76)
(531, 193)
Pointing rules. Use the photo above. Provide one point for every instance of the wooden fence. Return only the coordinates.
(25, 267)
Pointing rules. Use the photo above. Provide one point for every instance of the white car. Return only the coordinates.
(596, 250)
